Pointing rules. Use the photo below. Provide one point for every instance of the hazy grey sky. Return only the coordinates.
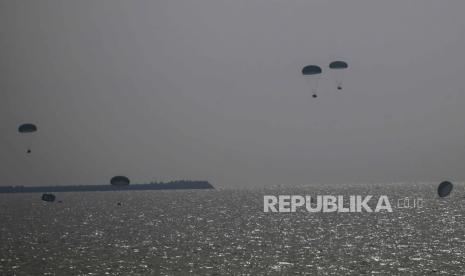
(211, 89)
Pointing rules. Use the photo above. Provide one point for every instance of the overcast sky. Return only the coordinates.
(211, 89)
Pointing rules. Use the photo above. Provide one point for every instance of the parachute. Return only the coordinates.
(312, 74)
(445, 188)
(119, 181)
(337, 68)
(27, 129)
(48, 197)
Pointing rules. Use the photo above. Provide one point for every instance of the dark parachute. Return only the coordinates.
(311, 70)
(338, 67)
(48, 197)
(312, 73)
(445, 188)
(27, 129)
(119, 181)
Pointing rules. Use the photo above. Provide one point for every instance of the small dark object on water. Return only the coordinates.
(445, 188)
(339, 88)
(119, 203)
(28, 151)
(60, 201)
(48, 197)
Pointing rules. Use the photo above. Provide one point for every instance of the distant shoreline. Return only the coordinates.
(174, 185)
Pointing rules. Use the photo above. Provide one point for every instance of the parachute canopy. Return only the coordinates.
(27, 128)
(48, 197)
(338, 64)
(338, 72)
(445, 188)
(120, 180)
(311, 70)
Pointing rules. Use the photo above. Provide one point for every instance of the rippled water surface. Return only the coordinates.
(227, 233)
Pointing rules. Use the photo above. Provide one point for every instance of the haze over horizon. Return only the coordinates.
(212, 90)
